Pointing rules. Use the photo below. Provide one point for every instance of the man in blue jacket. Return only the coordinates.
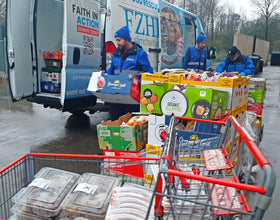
(195, 57)
(129, 57)
(236, 62)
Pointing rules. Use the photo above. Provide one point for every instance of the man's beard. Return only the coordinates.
(123, 48)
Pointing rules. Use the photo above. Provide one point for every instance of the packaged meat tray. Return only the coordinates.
(90, 198)
(43, 197)
(130, 202)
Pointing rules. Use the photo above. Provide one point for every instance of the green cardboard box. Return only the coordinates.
(150, 97)
(256, 95)
(206, 103)
(112, 135)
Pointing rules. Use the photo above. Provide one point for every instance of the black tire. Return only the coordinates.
(261, 66)
(77, 112)
(257, 66)
(117, 110)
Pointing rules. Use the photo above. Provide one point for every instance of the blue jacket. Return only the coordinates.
(135, 61)
(243, 64)
(195, 59)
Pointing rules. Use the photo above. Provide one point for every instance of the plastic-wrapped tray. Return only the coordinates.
(90, 198)
(43, 197)
(130, 202)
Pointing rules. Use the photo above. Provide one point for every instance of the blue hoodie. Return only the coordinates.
(243, 64)
(134, 62)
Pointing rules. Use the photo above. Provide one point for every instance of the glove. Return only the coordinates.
(242, 74)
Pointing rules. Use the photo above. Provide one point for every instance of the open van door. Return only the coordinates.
(22, 79)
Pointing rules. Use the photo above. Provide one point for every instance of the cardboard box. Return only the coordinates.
(152, 151)
(255, 107)
(256, 95)
(257, 83)
(121, 88)
(193, 130)
(50, 87)
(51, 75)
(237, 88)
(150, 97)
(112, 135)
(233, 85)
(157, 124)
(206, 103)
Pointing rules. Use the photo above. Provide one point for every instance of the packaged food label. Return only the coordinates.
(40, 182)
(85, 187)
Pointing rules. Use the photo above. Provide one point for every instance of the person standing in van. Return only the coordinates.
(129, 57)
(195, 57)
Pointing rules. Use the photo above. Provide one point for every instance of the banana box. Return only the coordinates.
(118, 135)
(236, 87)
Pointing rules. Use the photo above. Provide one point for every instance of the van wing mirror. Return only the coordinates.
(76, 55)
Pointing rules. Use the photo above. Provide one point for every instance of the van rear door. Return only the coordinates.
(19, 49)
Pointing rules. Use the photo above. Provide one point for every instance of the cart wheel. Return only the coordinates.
(236, 217)
(261, 133)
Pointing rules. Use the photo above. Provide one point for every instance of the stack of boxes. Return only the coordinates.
(51, 74)
(256, 95)
(172, 94)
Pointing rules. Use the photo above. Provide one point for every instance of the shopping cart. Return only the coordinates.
(21, 172)
(219, 182)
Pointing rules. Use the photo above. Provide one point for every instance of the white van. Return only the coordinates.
(53, 46)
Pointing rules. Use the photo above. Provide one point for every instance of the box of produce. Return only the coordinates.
(187, 129)
(235, 85)
(50, 87)
(206, 103)
(119, 88)
(256, 95)
(128, 133)
(51, 75)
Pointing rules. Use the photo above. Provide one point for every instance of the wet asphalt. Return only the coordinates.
(27, 127)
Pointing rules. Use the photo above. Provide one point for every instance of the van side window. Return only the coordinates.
(76, 55)
(190, 28)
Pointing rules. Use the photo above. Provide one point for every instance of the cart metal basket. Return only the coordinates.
(230, 180)
(21, 172)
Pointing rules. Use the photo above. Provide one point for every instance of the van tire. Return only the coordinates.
(117, 110)
(78, 112)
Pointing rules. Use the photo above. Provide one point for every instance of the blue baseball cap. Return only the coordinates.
(123, 33)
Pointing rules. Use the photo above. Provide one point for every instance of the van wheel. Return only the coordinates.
(261, 66)
(257, 66)
(115, 110)
(78, 112)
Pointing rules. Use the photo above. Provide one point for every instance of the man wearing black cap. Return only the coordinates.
(129, 57)
(236, 62)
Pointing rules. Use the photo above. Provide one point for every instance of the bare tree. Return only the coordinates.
(2, 10)
(266, 9)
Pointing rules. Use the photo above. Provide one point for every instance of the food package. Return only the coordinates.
(90, 198)
(130, 202)
(44, 196)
